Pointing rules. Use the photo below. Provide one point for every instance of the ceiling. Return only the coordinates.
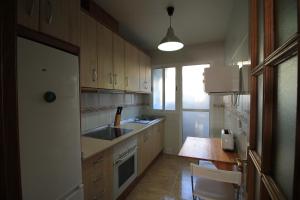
(145, 22)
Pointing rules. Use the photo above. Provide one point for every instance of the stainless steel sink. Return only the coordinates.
(144, 119)
(140, 121)
(107, 133)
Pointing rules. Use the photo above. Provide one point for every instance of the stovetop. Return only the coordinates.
(108, 133)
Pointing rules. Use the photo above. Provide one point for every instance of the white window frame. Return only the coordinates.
(163, 89)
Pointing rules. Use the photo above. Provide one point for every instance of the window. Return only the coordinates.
(158, 89)
(195, 102)
(164, 89)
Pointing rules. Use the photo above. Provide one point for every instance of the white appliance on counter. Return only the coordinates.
(125, 165)
(227, 140)
(221, 80)
(49, 123)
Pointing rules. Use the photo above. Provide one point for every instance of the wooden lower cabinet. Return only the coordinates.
(150, 145)
(98, 176)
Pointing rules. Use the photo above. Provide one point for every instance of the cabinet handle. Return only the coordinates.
(115, 78)
(50, 17)
(94, 75)
(31, 8)
(110, 78)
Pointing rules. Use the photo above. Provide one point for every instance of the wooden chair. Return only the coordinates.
(214, 184)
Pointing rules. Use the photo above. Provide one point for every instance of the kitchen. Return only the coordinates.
(93, 107)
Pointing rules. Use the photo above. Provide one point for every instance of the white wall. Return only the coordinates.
(210, 53)
(236, 116)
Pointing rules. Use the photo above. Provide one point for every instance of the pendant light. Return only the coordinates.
(170, 42)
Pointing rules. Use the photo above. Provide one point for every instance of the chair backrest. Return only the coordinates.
(216, 174)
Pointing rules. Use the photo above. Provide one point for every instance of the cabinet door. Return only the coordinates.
(98, 175)
(132, 70)
(145, 150)
(105, 60)
(118, 61)
(28, 13)
(142, 62)
(73, 24)
(59, 18)
(88, 52)
(148, 70)
(157, 140)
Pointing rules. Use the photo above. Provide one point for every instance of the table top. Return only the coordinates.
(207, 149)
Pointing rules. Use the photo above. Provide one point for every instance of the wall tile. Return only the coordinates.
(104, 117)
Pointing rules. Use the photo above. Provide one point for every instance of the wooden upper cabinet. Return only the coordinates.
(105, 57)
(28, 13)
(148, 71)
(118, 61)
(58, 18)
(88, 52)
(132, 68)
(54, 18)
(145, 72)
(73, 32)
(142, 63)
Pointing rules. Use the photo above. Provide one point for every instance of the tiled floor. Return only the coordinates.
(167, 179)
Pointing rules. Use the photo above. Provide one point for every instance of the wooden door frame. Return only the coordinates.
(10, 182)
(272, 57)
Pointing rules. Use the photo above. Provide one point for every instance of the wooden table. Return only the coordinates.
(208, 149)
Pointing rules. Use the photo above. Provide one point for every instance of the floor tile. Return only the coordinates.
(166, 179)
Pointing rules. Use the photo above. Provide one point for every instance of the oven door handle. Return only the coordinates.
(128, 154)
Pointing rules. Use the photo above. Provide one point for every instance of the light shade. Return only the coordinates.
(170, 42)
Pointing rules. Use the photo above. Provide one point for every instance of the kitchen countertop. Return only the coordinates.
(91, 146)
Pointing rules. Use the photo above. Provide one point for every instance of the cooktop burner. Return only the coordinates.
(108, 133)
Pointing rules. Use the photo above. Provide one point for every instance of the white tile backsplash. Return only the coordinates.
(90, 120)
(237, 119)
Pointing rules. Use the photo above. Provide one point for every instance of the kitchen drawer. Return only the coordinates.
(97, 176)
(95, 188)
(94, 166)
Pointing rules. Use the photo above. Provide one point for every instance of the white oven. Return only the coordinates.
(125, 165)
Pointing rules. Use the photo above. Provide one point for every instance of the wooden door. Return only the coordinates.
(28, 13)
(60, 19)
(105, 58)
(132, 70)
(118, 61)
(274, 151)
(88, 52)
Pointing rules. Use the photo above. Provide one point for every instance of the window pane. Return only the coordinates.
(170, 88)
(286, 20)
(260, 94)
(193, 95)
(157, 89)
(285, 126)
(260, 31)
(195, 124)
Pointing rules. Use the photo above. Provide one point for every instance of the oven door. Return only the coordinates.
(125, 171)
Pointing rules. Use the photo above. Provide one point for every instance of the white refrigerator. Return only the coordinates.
(49, 122)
